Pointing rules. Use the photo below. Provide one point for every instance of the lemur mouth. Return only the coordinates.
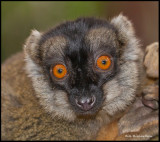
(87, 115)
(90, 114)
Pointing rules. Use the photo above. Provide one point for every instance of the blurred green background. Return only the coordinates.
(18, 18)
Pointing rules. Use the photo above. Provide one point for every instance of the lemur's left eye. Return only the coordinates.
(59, 71)
(104, 62)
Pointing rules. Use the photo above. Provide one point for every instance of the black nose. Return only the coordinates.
(86, 103)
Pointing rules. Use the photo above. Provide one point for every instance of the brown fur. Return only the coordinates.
(100, 36)
(54, 45)
(108, 133)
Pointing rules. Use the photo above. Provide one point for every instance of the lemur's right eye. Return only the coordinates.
(104, 62)
(59, 71)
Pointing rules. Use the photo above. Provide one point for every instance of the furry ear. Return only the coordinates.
(124, 27)
(31, 45)
(127, 39)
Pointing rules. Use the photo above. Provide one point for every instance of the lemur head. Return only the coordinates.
(86, 67)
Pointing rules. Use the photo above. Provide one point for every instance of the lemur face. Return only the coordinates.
(80, 58)
(85, 67)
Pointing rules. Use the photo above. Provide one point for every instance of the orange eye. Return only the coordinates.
(103, 62)
(59, 71)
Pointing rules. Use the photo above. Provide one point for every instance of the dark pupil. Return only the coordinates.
(60, 70)
(103, 62)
